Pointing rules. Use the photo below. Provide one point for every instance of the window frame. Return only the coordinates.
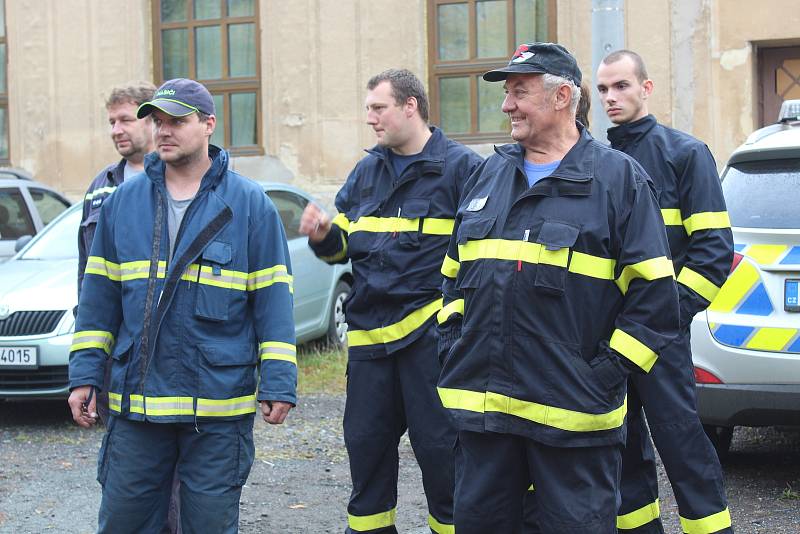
(224, 86)
(473, 66)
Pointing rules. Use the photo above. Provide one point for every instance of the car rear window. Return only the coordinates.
(763, 194)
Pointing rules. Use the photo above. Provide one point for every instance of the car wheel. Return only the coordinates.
(720, 437)
(337, 324)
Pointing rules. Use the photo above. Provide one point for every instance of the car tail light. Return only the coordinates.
(701, 376)
(737, 258)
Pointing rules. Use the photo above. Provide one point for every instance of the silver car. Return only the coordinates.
(25, 208)
(746, 346)
(38, 293)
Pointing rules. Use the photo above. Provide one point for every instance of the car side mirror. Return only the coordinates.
(21, 242)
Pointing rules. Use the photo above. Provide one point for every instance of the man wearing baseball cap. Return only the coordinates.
(188, 289)
(560, 266)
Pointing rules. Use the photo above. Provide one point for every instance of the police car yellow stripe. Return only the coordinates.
(570, 420)
(396, 331)
(735, 289)
(765, 254)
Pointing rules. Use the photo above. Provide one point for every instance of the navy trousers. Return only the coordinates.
(575, 488)
(385, 397)
(137, 462)
(667, 394)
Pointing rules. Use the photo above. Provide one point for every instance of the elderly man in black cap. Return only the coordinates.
(559, 266)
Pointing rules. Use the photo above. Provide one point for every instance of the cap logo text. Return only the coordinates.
(166, 92)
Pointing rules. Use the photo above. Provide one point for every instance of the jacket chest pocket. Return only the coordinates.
(412, 218)
(88, 228)
(556, 240)
(472, 249)
(216, 282)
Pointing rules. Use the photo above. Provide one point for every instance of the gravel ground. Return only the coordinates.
(300, 481)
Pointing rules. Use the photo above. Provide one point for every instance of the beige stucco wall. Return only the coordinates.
(63, 56)
(316, 56)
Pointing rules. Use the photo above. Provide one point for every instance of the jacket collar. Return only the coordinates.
(155, 168)
(577, 165)
(116, 174)
(433, 152)
(624, 134)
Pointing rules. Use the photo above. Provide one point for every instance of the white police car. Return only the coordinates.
(746, 346)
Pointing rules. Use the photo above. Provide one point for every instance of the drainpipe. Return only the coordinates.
(608, 34)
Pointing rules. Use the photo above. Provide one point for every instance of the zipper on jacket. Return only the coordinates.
(524, 238)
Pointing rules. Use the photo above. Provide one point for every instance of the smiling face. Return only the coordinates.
(132, 137)
(529, 106)
(181, 140)
(623, 95)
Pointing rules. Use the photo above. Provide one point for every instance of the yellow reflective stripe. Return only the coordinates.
(504, 249)
(672, 216)
(430, 225)
(652, 269)
(457, 306)
(135, 270)
(698, 283)
(277, 350)
(99, 191)
(267, 277)
(114, 401)
(765, 254)
(769, 338)
(102, 267)
(735, 288)
(226, 407)
(633, 349)
(169, 405)
(339, 255)
(363, 523)
(393, 332)
(707, 525)
(226, 278)
(342, 222)
(709, 220)
(593, 266)
(440, 528)
(573, 421)
(637, 518)
(137, 404)
(92, 339)
(450, 267)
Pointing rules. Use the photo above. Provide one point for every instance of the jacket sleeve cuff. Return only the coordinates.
(330, 245)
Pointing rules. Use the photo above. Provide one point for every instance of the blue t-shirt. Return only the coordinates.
(401, 163)
(537, 171)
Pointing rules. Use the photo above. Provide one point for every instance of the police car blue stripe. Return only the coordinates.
(733, 335)
(739, 248)
(795, 347)
(792, 257)
(757, 303)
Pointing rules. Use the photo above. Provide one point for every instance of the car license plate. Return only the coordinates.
(791, 296)
(18, 357)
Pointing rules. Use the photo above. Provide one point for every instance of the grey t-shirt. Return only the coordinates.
(176, 209)
(128, 171)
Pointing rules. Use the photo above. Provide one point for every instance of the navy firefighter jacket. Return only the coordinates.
(186, 336)
(690, 195)
(395, 230)
(553, 294)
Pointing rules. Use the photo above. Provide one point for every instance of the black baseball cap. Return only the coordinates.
(539, 58)
(179, 97)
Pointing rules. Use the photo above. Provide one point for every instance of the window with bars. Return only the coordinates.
(4, 156)
(465, 39)
(216, 43)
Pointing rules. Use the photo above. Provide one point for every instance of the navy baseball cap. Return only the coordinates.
(539, 58)
(179, 97)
